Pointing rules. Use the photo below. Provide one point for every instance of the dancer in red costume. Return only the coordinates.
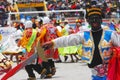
(48, 33)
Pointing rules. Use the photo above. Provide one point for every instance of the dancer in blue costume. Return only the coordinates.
(96, 44)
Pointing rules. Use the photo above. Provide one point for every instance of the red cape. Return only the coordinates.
(114, 65)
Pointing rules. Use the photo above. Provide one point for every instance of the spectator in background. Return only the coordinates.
(118, 12)
(3, 5)
(66, 25)
(73, 6)
(46, 19)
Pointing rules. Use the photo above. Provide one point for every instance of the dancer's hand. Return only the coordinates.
(48, 45)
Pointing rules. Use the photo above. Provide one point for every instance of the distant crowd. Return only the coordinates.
(111, 8)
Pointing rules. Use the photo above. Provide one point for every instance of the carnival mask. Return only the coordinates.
(95, 21)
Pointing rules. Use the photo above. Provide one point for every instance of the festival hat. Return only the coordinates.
(78, 21)
(93, 11)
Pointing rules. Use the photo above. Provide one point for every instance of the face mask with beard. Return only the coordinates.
(95, 22)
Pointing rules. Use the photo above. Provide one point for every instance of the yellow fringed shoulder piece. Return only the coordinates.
(42, 33)
(59, 34)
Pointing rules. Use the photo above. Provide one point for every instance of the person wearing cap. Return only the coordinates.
(96, 44)
(78, 26)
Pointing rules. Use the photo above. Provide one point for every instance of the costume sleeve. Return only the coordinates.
(70, 40)
(115, 39)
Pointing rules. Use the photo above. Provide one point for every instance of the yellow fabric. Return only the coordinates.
(79, 51)
(59, 34)
(94, 8)
(42, 34)
(44, 31)
(91, 13)
(117, 29)
(24, 40)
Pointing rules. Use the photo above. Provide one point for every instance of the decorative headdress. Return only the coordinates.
(78, 21)
(93, 11)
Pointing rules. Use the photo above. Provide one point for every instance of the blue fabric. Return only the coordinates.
(86, 36)
(22, 16)
(107, 35)
(112, 26)
(103, 49)
(28, 17)
(24, 51)
(99, 78)
(85, 58)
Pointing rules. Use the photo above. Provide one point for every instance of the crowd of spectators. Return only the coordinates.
(111, 8)
(3, 12)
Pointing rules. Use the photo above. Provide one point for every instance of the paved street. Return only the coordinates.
(65, 71)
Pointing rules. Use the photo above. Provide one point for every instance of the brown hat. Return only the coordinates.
(93, 11)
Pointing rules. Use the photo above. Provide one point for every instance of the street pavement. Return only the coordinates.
(65, 71)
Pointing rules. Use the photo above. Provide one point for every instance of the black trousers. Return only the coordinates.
(33, 67)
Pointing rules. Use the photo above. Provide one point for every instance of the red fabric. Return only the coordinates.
(51, 34)
(114, 65)
(56, 55)
(108, 9)
(77, 29)
(117, 25)
(73, 6)
(40, 61)
(52, 53)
